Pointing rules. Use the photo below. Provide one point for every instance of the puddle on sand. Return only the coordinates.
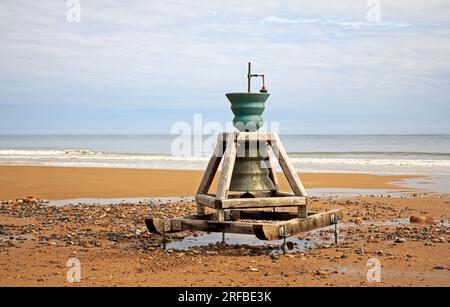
(299, 245)
(239, 239)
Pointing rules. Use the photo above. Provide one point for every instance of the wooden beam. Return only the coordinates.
(206, 200)
(263, 202)
(261, 215)
(253, 136)
(211, 169)
(302, 211)
(227, 167)
(263, 231)
(272, 169)
(288, 168)
(312, 222)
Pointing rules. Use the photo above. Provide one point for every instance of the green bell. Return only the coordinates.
(251, 170)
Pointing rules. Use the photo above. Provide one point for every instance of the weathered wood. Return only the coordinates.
(206, 200)
(227, 168)
(180, 224)
(283, 194)
(296, 226)
(263, 202)
(302, 211)
(263, 231)
(287, 167)
(251, 136)
(312, 222)
(261, 215)
(208, 176)
(272, 170)
(211, 169)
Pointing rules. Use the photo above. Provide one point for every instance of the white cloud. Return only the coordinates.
(187, 53)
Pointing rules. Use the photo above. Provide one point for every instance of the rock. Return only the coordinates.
(360, 251)
(399, 240)
(358, 221)
(372, 240)
(420, 219)
(438, 267)
(320, 273)
(253, 270)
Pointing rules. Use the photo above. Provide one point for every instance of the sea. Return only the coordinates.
(378, 154)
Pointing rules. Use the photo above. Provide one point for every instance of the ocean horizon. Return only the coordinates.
(396, 154)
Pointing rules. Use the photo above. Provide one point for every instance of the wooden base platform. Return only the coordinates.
(251, 222)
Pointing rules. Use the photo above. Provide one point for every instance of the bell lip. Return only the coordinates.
(247, 93)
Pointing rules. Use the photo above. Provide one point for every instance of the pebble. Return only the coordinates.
(420, 219)
(399, 240)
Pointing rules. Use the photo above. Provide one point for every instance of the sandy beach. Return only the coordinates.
(78, 182)
(114, 247)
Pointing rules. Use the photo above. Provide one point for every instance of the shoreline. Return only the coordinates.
(58, 183)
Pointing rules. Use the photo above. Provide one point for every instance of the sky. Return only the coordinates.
(331, 66)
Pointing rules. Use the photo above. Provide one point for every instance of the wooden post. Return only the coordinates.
(227, 167)
(302, 212)
(287, 167)
(211, 170)
(272, 170)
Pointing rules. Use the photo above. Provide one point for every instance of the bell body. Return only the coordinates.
(251, 170)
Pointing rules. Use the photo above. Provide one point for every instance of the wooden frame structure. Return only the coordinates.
(232, 212)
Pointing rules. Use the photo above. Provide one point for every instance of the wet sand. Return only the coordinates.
(68, 183)
(115, 248)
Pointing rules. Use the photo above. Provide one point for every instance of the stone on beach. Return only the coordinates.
(420, 219)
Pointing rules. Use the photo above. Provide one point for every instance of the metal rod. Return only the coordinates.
(336, 231)
(249, 76)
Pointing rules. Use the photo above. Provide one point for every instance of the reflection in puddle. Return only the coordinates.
(323, 236)
(239, 239)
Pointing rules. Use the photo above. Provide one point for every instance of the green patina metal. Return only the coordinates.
(247, 109)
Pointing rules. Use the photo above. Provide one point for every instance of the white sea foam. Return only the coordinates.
(314, 162)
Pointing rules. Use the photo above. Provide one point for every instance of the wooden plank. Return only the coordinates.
(288, 168)
(227, 167)
(210, 172)
(263, 202)
(263, 231)
(312, 222)
(255, 136)
(261, 215)
(211, 169)
(256, 194)
(296, 226)
(302, 212)
(206, 200)
(284, 194)
(181, 224)
(272, 169)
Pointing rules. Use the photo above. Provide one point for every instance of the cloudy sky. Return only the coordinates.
(140, 66)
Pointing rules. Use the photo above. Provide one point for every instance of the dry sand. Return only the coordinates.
(67, 182)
